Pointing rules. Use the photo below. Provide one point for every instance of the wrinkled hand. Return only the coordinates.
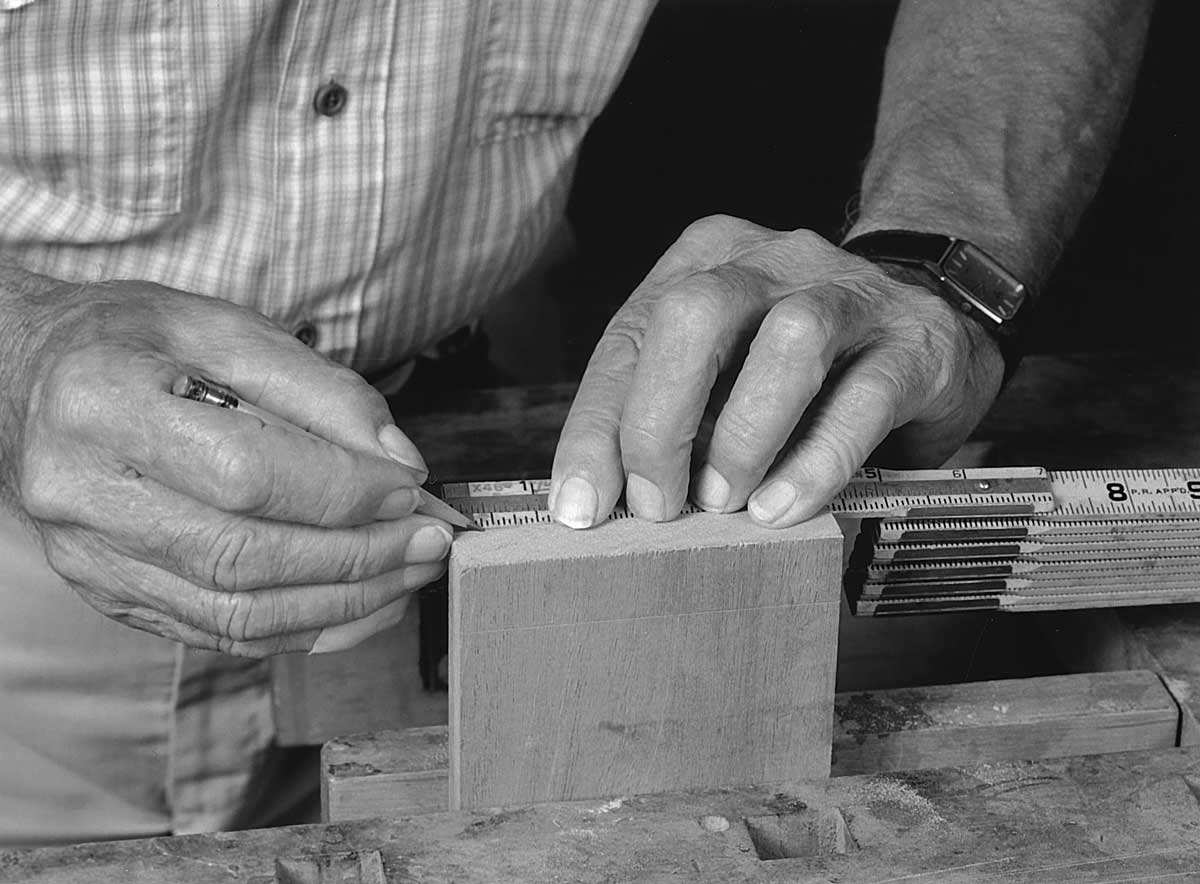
(203, 524)
(765, 367)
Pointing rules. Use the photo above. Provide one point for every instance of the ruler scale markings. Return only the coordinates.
(1056, 494)
(1132, 535)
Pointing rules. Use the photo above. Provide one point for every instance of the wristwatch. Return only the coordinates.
(964, 275)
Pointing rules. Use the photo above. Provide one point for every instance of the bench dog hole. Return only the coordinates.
(808, 833)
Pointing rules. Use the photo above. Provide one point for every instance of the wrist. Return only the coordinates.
(987, 297)
(999, 238)
(26, 324)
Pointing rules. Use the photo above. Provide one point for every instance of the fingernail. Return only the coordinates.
(710, 490)
(645, 498)
(772, 501)
(325, 643)
(346, 635)
(576, 503)
(400, 448)
(398, 504)
(428, 544)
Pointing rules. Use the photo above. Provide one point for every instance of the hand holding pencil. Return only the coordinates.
(212, 526)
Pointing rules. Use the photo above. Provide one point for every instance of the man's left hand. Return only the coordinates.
(764, 367)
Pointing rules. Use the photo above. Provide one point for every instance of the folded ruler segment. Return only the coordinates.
(1112, 538)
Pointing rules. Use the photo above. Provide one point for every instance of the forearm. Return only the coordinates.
(996, 120)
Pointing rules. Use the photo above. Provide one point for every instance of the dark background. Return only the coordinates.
(764, 109)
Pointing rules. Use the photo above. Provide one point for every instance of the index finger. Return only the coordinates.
(696, 328)
(270, 368)
(587, 477)
(236, 463)
(239, 465)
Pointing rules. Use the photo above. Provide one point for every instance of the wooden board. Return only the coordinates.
(1165, 640)
(385, 773)
(1103, 818)
(639, 657)
(403, 772)
(1004, 720)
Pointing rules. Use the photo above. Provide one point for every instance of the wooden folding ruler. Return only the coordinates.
(1111, 538)
(1013, 538)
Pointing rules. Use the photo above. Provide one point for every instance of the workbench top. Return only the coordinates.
(1105, 818)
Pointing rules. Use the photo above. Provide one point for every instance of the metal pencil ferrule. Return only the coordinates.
(203, 390)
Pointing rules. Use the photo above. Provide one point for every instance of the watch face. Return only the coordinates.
(982, 281)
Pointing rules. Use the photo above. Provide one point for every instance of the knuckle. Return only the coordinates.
(715, 226)
(242, 476)
(355, 602)
(807, 240)
(241, 616)
(837, 452)
(696, 311)
(795, 326)
(716, 238)
(356, 561)
(740, 437)
(617, 348)
(42, 491)
(227, 558)
(647, 435)
(67, 397)
(878, 390)
(352, 391)
(340, 499)
(586, 420)
(242, 613)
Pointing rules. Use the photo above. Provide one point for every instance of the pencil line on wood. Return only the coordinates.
(676, 616)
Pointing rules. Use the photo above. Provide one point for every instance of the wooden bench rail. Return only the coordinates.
(402, 772)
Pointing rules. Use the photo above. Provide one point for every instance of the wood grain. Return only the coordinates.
(1003, 720)
(639, 657)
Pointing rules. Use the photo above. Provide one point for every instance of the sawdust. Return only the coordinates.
(1000, 773)
(895, 792)
(606, 807)
(864, 715)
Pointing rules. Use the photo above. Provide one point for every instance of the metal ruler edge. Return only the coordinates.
(984, 492)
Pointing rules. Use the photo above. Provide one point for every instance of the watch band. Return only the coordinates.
(962, 274)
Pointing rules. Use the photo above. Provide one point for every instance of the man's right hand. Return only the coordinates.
(198, 523)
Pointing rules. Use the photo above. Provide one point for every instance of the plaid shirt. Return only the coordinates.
(180, 142)
(183, 143)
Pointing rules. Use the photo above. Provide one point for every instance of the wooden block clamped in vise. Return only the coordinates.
(636, 658)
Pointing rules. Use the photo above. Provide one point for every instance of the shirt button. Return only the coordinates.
(306, 334)
(330, 99)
